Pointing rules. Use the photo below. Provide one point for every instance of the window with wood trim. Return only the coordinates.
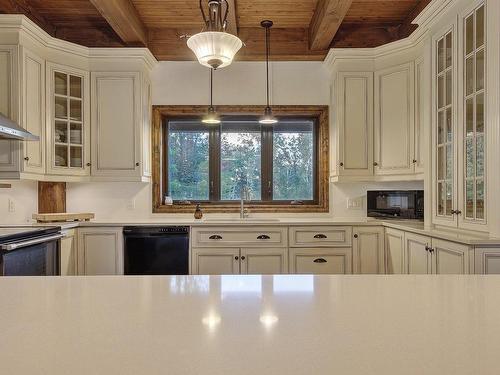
(280, 168)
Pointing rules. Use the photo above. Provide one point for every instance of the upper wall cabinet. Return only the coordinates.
(68, 121)
(459, 122)
(121, 126)
(394, 120)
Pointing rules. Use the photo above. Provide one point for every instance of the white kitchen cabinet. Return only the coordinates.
(68, 121)
(117, 129)
(100, 251)
(215, 261)
(394, 120)
(320, 236)
(69, 253)
(354, 99)
(487, 260)
(422, 116)
(263, 261)
(450, 257)
(418, 257)
(368, 250)
(394, 251)
(332, 261)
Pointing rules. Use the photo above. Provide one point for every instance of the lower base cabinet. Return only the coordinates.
(321, 261)
(368, 250)
(234, 261)
(68, 253)
(487, 261)
(394, 251)
(100, 251)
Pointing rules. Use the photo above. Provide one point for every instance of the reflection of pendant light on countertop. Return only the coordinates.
(214, 47)
(268, 117)
(212, 117)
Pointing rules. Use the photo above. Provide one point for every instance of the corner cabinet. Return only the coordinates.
(68, 121)
(459, 122)
(120, 119)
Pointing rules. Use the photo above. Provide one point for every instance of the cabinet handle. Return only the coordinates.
(243, 257)
(375, 164)
(236, 258)
(427, 248)
(431, 250)
(215, 237)
(320, 260)
(263, 237)
(320, 235)
(341, 164)
(414, 161)
(458, 212)
(26, 158)
(355, 236)
(137, 164)
(88, 164)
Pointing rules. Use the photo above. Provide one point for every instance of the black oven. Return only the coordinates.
(30, 251)
(396, 204)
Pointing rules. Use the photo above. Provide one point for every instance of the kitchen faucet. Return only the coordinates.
(244, 195)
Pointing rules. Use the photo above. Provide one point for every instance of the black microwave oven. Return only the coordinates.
(396, 204)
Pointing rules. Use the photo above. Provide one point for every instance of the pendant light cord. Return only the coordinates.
(268, 50)
(211, 86)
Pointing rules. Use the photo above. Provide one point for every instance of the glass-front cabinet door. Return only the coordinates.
(444, 135)
(69, 129)
(472, 166)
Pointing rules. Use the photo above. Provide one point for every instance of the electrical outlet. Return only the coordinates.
(355, 203)
(131, 204)
(12, 206)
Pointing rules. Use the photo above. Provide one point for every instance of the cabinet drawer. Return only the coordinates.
(321, 261)
(328, 236)
(248, 236)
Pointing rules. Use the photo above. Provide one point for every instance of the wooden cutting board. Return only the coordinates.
(51, 218)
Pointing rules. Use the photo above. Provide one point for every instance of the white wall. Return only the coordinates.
(178, 83)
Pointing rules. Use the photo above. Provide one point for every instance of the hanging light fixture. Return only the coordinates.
(214, 47)
(212, 117)
(268, 118)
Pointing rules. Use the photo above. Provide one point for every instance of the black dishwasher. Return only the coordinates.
(156, 250)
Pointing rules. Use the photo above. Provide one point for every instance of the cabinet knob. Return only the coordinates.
(88, 164)
(355, 236)
(137, 164)
(427, 248)
(320, 260)
(320, 235)
(414, 161)
(243, 257)
(341, 164)
(236, 258)
(263, 237)
(375, 164)
(26, 158)
(458, 212)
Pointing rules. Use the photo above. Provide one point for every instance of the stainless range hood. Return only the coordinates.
(10, 130)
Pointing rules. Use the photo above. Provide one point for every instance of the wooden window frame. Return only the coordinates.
(159, 160)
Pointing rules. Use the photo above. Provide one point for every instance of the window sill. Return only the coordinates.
(235, 207)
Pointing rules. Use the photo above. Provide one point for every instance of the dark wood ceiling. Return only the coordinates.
(303, 29)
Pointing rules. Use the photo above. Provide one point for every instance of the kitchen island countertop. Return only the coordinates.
(250, 325)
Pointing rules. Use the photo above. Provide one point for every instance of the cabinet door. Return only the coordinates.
(116, 125)
(100, 251)
(394, 251)
(394, 120)
(263, 261)
(449, 258)
(418, 257)
(355, 124)
(444, 134)
(68, 253)
(68, 121)
(215, 261)
(421, 115)
(33, 109)
(487, 261)
(368, 250)
(321, 261)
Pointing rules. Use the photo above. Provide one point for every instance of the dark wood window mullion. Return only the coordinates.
(214, 164)
(267, 164)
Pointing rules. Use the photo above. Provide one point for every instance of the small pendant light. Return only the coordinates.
(268, 117)
(212, 117)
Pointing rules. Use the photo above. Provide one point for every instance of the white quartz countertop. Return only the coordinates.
(250, 325)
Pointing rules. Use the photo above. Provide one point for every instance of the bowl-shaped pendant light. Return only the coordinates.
(214, 47)
(212, 117)
(268, 117)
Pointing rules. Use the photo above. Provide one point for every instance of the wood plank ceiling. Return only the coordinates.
(303, 29)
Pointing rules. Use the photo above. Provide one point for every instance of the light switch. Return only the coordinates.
(355, 203)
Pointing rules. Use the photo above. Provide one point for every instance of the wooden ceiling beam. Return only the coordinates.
(124, 19)
(325, 22)
(24, 7)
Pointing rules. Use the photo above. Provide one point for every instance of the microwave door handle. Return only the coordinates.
(16, 245)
